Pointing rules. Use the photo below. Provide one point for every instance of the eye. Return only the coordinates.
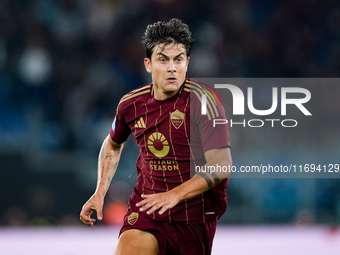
(162, 60)
(179, 60)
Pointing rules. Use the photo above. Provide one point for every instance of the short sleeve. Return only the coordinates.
(213, 127)
(119, 131)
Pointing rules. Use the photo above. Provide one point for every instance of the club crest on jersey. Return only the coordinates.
(132, 219)
(177, 118)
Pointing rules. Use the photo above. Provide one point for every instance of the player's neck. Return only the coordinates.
(161, 95)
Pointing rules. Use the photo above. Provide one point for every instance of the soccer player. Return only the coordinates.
(169, 212)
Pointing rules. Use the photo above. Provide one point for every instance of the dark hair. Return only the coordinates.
(173, 31)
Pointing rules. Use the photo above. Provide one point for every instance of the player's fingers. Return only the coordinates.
(88, 221)
(164, 208)
(86, 213)
(142, 203)
(85, 217)
(100, 213)
(154, 208)
(146, 196)
(89, 224)
(146, 206)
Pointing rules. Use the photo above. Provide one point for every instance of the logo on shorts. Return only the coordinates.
(158, 145)
(132, 219)
(177, 118)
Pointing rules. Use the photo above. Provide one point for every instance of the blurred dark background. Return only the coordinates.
(65, 64)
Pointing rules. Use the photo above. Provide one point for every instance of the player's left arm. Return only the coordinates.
(201, 182)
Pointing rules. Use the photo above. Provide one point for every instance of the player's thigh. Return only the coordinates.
(136, 242)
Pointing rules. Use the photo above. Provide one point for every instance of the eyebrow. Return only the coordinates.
(160, 53)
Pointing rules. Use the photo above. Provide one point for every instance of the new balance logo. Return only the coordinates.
(140, 123)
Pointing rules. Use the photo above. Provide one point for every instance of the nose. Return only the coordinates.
(171, 67)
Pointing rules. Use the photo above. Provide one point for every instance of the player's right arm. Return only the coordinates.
(108, 160)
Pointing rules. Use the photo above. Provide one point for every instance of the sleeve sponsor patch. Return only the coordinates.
(114, 124)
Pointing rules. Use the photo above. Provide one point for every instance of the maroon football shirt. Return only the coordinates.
(170, 134)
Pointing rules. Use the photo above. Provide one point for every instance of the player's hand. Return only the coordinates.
(95, 203)
(163, 201)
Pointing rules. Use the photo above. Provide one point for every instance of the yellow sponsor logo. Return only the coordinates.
(158, 145)
(164, 165)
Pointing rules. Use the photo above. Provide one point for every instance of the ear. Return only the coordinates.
(147, 64)
(187, 63)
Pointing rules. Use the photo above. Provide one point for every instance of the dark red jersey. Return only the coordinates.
(171, 135)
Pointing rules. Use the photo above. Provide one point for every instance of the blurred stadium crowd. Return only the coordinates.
(65, 64)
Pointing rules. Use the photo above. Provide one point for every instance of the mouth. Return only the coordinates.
(171, 79)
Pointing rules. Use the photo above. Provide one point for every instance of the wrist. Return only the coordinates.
(100, 191)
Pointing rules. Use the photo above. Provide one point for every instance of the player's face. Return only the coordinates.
(168, 67)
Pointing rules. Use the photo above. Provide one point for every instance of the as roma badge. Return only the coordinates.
(132, 219)
(177, 118)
